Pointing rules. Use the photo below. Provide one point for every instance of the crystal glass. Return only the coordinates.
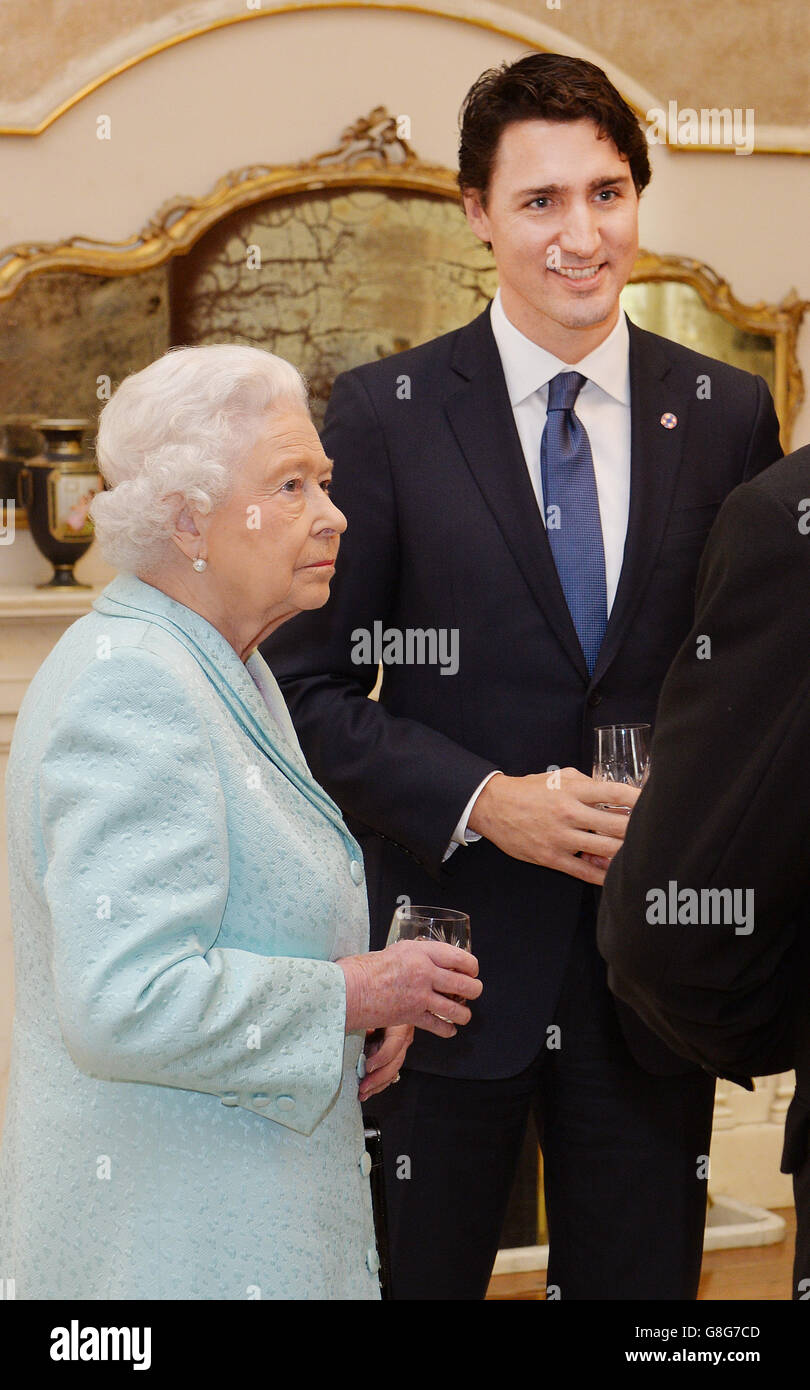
(410, 923)
(621, 754)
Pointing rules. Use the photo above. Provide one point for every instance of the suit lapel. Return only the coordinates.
(271, 694)
(482, 420)
(655, 460)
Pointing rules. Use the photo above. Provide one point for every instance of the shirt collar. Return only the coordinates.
(527, 366)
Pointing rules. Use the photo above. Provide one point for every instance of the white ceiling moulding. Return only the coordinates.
(78, 78)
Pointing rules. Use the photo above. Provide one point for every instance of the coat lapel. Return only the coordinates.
(481, 417)
(655, 460)
(270, 729)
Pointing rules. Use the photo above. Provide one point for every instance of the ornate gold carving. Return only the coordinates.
(370, 154)
(372, 138)
(780, 322)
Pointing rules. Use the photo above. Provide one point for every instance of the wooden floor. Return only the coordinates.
(758, 1272)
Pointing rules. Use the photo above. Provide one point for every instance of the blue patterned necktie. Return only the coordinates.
(573, 526)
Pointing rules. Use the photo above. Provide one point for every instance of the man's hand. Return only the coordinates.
(551, 818)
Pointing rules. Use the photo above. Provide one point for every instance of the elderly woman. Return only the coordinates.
(189, 907)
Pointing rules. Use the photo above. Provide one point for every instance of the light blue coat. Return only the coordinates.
(182, 1119)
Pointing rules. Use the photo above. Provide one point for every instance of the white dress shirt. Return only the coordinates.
(603, 408)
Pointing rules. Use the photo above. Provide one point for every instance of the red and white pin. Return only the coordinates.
(668, 420)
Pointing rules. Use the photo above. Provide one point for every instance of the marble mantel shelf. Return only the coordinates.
(23, 602)
(31, 622)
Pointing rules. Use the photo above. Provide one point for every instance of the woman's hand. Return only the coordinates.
(413, 983)
(384, 1057)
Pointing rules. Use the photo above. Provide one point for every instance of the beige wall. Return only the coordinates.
(698, 54)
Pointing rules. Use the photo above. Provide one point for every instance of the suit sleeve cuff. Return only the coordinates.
(461, 835)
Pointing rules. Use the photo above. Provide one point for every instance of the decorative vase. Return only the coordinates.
(56, 489)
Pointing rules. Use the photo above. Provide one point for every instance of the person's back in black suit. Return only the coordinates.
(726, 982)
(446, 535)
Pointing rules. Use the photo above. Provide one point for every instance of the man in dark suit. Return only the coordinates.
(705, 916)
(525, 571)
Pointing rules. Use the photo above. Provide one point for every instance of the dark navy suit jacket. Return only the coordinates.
(445, 532)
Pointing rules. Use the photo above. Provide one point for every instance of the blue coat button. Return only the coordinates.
(365, 1163)
(372, 1261)
(361, 1065)
(230, 1097)
(285, 1103)
(356, 871)
(260, 1099)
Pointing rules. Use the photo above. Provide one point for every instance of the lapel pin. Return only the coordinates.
(668, 420)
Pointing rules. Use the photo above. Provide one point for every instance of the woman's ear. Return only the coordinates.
(186, 535)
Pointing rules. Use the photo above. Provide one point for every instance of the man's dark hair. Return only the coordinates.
(547, 87)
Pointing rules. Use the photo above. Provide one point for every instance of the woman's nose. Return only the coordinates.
(333, 520)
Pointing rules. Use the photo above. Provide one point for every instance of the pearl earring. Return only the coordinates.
(199, 564)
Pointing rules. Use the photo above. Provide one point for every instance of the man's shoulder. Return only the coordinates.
(751, 517)
(648, 345)
(786, 481)
(430, 358)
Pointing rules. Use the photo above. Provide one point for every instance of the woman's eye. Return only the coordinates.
(293, 485)
(327, 486)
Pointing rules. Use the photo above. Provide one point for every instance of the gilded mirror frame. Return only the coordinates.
(371, 153)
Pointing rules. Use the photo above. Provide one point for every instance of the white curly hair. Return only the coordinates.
(180, 426)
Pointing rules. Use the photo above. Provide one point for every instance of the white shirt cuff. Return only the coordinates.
(461, 835)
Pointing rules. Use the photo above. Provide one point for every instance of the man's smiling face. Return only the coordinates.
(561, 215)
